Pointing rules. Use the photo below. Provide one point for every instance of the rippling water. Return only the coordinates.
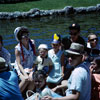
(41, 29)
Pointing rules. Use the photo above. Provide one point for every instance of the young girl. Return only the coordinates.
(57, 56)
(43, 62)
(25, 55)
(41, 88)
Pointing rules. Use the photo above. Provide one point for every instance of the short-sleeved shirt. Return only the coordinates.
(42, 62)
(80, 81)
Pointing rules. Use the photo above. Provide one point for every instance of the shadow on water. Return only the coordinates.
(43, 28)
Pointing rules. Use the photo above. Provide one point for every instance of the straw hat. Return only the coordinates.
(76, 49)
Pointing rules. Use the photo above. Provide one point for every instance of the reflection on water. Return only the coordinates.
(41, 29)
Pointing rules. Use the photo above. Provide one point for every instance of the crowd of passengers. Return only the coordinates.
(70, 70)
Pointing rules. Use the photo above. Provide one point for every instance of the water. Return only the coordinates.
(42, 29)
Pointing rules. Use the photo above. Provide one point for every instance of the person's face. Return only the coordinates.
(93, 40)
(25, 38)
(55, 46)
(74, 35)
(39, 82)
(74, 60)
(43, 53)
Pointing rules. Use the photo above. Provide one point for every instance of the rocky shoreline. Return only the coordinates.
(39, 13)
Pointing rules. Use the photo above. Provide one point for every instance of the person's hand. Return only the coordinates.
(47, 98)
(30, 76)
(62, 74)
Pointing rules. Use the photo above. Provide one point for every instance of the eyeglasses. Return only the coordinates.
(73, 33)
(95, 39)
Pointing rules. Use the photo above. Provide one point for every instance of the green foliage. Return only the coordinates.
(46, 4)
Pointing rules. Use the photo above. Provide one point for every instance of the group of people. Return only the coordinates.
(71, 64)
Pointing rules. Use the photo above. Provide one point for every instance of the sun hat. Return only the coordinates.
(76, 49)
(74, 26)
(43, 46)
(56, 39)
(18, 31)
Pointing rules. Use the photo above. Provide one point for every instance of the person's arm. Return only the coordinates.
(74, 96)
(62, 63)
(18, 60)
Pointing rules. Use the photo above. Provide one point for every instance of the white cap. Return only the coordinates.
(16, 31)
(43, 46)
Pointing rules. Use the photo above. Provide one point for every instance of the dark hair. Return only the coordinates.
(97, 60)
(1, 39)
(39, 74)
(22, 30)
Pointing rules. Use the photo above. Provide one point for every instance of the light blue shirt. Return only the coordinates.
(80, 81)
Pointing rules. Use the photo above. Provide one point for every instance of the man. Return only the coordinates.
(74, 32)
(79, 83)
(9, 89)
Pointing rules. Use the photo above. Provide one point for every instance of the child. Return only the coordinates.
(43, 62)
(41, 88)
(57, 56)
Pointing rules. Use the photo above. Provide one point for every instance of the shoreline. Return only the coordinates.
(35, 12)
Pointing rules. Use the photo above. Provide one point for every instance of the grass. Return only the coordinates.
(46, 5)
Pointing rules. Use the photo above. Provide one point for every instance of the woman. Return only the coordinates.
(25, 55)
(95, 78)
(57, 57)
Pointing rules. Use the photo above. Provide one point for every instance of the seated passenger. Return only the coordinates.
(57, 57)
(4, 52)
(25, 56)
(93, 47)
(43, 62)
(95, 77)
(41, 88)
(9, 89)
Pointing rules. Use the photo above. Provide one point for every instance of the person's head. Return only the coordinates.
(3, 65)
(1, 42)
(74, 31)
(43, 50)
(56, 42)
(21, 33)
(92, 39)
(95, 65)
(75, 54)
(39, 78)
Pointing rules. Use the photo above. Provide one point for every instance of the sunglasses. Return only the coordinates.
(25, 36)
(73, 33)
(95, 39)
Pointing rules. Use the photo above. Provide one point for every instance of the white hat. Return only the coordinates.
(16, 31)
(43, 46)
(76, 49)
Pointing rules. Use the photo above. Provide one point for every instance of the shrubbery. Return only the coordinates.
(13, 1)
